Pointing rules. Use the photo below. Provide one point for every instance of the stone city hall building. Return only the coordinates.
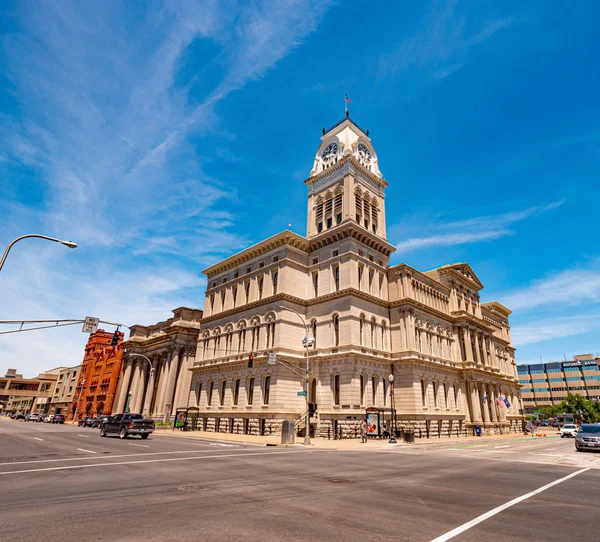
(450, 354)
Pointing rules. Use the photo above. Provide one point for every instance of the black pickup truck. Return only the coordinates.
(127, 424)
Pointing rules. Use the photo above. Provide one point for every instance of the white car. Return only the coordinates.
(568, 430)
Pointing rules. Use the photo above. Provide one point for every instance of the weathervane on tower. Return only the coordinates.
(346, 102)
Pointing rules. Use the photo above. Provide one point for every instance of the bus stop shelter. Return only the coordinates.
(376, 419)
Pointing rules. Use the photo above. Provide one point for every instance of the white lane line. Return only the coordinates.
(111, 456)
(38, 438)
(220, 444)
(84, 436)
(93, 465)
(505, 446)
(88, 451)
(141, 445)
(498, 509)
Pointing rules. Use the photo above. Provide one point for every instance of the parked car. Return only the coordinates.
(568, 430)
(19, 416)
(588, 437)
(545, 423)
(127, 424)
(33, 417)
(58, 418)
(49, 418)
(43, 417)
(88, 421)
(99, 421)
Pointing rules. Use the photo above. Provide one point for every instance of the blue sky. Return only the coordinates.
(163, 137)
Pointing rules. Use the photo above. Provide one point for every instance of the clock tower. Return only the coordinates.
(345, 184)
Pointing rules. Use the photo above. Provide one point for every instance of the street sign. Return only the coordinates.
(301, 394)
(272, 359)
(90, 325)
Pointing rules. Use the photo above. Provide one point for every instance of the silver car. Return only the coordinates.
(588, 437)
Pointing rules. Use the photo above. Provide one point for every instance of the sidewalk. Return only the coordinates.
(345, 444)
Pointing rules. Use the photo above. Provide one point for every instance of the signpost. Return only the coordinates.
(272, 359)
(301, 394)
(90, 325)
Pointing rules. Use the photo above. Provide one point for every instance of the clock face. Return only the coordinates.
(364, 153)
(330, 152)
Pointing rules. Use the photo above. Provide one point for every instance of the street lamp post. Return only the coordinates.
(393, 425)
(306, 377)
(69, 244)
(132, 354)
(78, 400)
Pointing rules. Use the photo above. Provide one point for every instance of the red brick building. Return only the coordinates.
(99, 376)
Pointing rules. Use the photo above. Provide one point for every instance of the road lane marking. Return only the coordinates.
(38, 438)
(505, 446)
(111, 456)
(141, 445)
(88, 451)
(93, 465)
(498, 509)
(220, 444)
(84, 436)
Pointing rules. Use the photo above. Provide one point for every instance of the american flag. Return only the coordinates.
(348, 100)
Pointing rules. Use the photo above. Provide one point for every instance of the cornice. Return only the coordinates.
(284, 238)
(347, 229)
(347, 162)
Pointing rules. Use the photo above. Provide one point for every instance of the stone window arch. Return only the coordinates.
(228, 338)
(217, 339)
(241, 326)
(270, 319)
(255, 332)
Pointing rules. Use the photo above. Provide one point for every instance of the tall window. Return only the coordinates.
(234, 294)
(336, 330)
(314, 332)
(383, 336)
(247, 291)
(372, 333)
(261, 282)
(374, 215)
(362, 329)
(374, 380)
(363, 385)
(212, 302)
(338, 207)
(242, 341)
(361, 269)
(424, 392)
(371, 275)
(222, 392)
(336, 278)
(275, 279)
(211, 388)
(380, 284)
(315, 280)
(336, 390)
(266, 389)
(270, 334)
(385, 391)
(250, 390)
(198, 393)
(228, 341)
(319, 215)
(456, 396)
(222, 299)
(366, 211)
(358, 205)
(236, 391)
(446, 394)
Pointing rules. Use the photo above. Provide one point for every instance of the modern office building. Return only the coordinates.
(547, 384)
(25, 395)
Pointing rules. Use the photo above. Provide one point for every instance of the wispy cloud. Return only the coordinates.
(470, 230)
(441, 44)
(570, 287)
(107, 123)
(554, 328)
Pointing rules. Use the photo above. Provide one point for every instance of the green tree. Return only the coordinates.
(575, 404)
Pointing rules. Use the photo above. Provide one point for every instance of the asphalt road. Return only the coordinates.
(64, 483)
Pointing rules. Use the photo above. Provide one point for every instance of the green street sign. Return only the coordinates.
(301, 394)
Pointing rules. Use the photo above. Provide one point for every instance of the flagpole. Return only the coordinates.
(345, 103)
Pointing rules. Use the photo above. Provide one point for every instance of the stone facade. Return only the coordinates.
(25, 395)
(99, 376)
(64, 391)
(451, 355)
(156, 378)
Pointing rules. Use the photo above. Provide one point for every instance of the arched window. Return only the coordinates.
(436, 386)
(446, 395)
(261, 282)
(374, 382)
(363, 386)
(373, 341)
(362, 330)
(328, 210)
(337, 205)
(374, 215)
(250, 390)
(383, 336)
(242, 336)
(366, 212)
(456, 397)
(270, 319)
(336, 278)
(275, 280)
(313, 325)
(235, 389)
(336, 330)
(222, 389)
(358, 205)
(266, 389)
(234, 294)
(319, 215)
(424, 392)
(211, 388)
(335, 388)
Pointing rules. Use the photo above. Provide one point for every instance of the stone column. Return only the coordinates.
(475, 346)
(493, 353)
(484, 406)
(468, 346)
(170, 389)
(160, 408)
(493, 403)
(466, 399)
(149, 393)
(138, 393)
(120, 405)
(160, 370)
(476, 403)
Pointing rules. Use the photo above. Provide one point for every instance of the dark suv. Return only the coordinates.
(86, 422)
(58, 418)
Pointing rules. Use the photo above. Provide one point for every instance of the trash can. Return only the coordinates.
(288, 430)
(478, 430)
(409, 437)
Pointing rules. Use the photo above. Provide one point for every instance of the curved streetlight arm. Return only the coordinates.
(69, 244)
(306, 378)
(132, 354)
